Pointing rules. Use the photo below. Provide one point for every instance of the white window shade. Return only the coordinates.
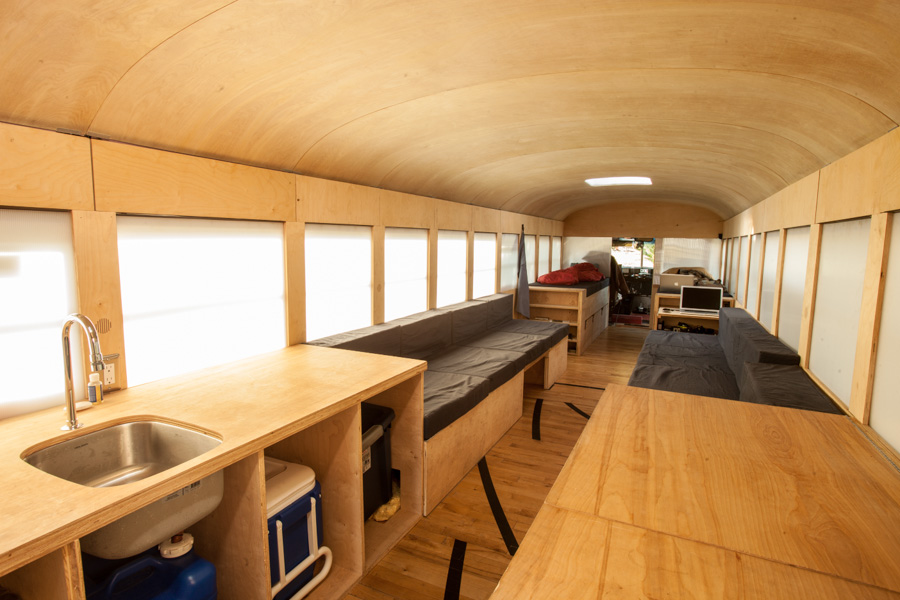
(338, 279)
(556, 254)
(198, 293)
(405, 272)
(838, 299)
(530, 257)
(37, 292)
(451, 267)
(508, 261)
(885, 417)
(484, 278)
(753, 281)
(770, 271)
(544, 255)
(793, 282)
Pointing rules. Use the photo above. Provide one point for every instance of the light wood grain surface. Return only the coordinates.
(797, 487)
(251, 404)
(573, 555)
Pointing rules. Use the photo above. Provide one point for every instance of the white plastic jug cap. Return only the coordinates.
(178, 545)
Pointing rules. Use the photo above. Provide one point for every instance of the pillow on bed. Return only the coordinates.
(561, 277)
(587, 272)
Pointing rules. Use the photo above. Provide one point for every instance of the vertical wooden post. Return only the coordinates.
(295, 282)
(97, 276)
(432, 267)
(470, 263)
(870, 316)
(760, 268)
(377, 274)
(779, 274)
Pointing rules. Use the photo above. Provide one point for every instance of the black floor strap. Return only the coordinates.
(499, 516)
(454, 573)
(578, 410)
(588, 387)
(536, 420)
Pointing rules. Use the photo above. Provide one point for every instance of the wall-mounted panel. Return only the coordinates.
(129, 179)
(42, 169)
(644, 219)
(793, 283)
(838, 297)
(885, 413)
(794, 206)
(335, 202)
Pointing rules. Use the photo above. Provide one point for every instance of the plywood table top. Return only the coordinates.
(569, 554)
(676, 474)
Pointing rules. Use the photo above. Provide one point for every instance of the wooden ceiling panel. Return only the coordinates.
(724, 101)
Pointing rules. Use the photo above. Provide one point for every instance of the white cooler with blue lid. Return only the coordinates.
(294, 516)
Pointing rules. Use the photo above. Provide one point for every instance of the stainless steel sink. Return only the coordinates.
(125, 453)
(121, 453)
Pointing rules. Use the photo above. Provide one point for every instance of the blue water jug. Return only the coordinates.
(149, 576)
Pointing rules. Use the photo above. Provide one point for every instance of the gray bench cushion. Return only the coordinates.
(530, 345)
(698, 381)
(500, 308)
(377, 339)
(783, 385)
(467, 320)
(425, 334)
(745, 340)
(497, 366)
(555, 332)
(448, 396)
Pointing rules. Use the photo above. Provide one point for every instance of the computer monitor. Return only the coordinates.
(701, 298)
(671, 283)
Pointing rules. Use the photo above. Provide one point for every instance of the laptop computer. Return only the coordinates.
(671, 283)
(701, 299)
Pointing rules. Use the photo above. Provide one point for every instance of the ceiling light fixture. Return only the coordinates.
(604, 181)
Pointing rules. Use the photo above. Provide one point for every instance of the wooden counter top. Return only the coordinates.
(250, 404)
(673, 493)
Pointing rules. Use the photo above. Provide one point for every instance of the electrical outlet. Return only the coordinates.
(109, 373)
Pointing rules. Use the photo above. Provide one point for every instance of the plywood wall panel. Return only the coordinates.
(42, 169)
(644, 219)
(129, 179)
(863, 182)
(452, 215)
(794, 206)
(324, 201)
(486, 219)
(406, 210)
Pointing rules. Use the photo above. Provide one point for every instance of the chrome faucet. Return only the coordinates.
(96, 363)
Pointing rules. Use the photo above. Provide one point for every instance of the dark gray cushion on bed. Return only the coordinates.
(498, 366)
(467, 320)
(783, 385)
(500, 308)
(531, 345)
(449, 396)
(744, 339)
(678, 339)
(424, 334)
(713, 382)
(553, 331)
(377, 339)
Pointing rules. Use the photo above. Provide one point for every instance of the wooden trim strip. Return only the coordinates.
(870, 316)
(809, 292)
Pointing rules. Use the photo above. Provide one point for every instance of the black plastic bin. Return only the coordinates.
(376, 447)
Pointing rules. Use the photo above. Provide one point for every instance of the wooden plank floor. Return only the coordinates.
(522, 470)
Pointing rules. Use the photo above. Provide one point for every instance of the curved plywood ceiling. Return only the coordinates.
(503, 104)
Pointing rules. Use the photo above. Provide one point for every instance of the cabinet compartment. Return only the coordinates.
(56, 575)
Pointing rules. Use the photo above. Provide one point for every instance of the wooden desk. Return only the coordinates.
(675, 495)
(673, 301)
